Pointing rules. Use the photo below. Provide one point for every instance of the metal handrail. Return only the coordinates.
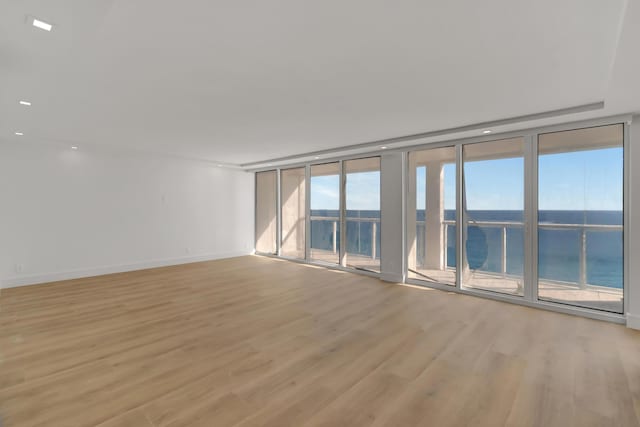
(504, 225)
(590, 227)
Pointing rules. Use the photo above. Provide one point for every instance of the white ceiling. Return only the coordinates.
(244, 81)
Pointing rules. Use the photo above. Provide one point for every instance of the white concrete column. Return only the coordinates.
(392, 211)
(434, 216)
(633, 257)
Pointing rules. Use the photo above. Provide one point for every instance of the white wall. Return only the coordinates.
(67, 213)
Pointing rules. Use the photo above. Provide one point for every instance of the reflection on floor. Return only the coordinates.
(598, 297)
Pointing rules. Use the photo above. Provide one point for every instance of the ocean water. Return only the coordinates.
(558, 250)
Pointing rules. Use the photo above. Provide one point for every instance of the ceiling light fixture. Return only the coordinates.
(73, 147)
(316, 157)
(42, 25)
(383, 147)
(25, 103)
(19, 133)
(486, 131)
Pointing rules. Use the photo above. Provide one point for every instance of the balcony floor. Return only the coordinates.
(601, 298)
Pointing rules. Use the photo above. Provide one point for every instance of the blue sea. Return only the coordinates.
(558, 250)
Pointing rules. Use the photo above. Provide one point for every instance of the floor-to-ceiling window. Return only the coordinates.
(493, 216)
(362, 200)
(325, 212)
(292, 212)
(431, 216)
(570, 191)
(537, 217)
(266, 212)
(580, 217)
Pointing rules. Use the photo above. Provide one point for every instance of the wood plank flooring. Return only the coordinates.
(255, 341)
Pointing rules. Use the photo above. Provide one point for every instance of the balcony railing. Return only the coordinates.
(335, 220)
(505, 225)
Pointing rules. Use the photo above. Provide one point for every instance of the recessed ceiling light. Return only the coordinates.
(73, 147)
(42, 25)
(316, 157)
(19, 133)
(219, 166)
(486, 131)
(25, 103)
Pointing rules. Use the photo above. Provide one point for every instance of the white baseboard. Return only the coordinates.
(16, 281)
(633, 321)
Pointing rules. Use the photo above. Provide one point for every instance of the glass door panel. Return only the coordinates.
(580, 217)
(325, 213)
(493, 216)
(431, 220)
(363, 213)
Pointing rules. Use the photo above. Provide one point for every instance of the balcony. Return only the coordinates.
(503, 277)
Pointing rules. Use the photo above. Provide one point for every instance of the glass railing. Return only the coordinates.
(578, 255)
(363, 235)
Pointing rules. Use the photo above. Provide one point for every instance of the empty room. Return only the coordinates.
(330, 213)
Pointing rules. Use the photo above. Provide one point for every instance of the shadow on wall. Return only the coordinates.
(292, 195)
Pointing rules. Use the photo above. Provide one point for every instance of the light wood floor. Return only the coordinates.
(255, 341)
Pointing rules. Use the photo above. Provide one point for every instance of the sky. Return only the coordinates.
(363, 191)
(581, 180)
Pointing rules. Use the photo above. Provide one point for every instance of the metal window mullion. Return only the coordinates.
(307, 210)
(409, 197)
(343, 215)
(535, 214)
(460, 252)
(626, 183)
(404, 186)
(255, 211)
(530, 232)
(278, 213)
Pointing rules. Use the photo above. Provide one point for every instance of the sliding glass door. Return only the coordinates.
(493, 216)
(537, 218)
(580, 217)
(431, 215)
(325, 213)
(362, 210)
(541, 217)
(266, 212)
